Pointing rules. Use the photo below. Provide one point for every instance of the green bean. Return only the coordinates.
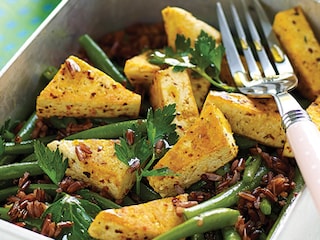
(103, 121)
(223, 170)
(196, 186)
(265, 206)
(5, 183)
(112, 130)
(230, 233)
(244, 142)
(251, 168)
(226, 198)
(61, 123)
(24, 147)
(48, 74)
(16, 170)
(4, 213)
(101, 60)
(27, 128)
(49, 188)
(103, 202)
(7, 159)
(208, 221)
(30, 158)
(7, 135)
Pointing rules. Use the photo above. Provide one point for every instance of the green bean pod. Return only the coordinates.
(100, 59)
(230, 233)
(61, 123)
(4, 213)
(109, 131)
(265, 206)
(208, 221)
(16, 170)
(7, 135)
(48, 74)
(24, 147)
(30, 158)
(226, 198)
(251, 169)
(27, 128)
(7, 159)
(49, 189)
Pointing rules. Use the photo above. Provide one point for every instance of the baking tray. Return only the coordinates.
(56, 39)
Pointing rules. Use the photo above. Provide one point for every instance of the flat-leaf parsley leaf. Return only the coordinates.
(51, 162)
(141, 151)
(79, 212)
(204, 59)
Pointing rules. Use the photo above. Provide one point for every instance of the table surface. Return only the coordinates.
(18, 20)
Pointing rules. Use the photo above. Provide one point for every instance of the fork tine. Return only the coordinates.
(282, 62)
(237, 70)
(254, 71)
(259, 48)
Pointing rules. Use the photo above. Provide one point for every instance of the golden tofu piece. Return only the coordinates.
(206, 146)
(136, 222)
(254, 118)
(80, 90)
(170, 87)
(302, 47)
(139, 71)
(179, 21)
(94, 162)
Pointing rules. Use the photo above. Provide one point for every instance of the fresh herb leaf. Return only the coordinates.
(204, 59)
(141, 153)
(141, 150)
(78, 211)
(51, 162)
(160, 126)
(207, 55)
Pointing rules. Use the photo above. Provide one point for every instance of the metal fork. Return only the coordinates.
(276, 80)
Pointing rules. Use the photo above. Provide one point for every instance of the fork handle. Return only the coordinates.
(304, 139)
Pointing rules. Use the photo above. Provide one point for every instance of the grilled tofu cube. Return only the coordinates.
(179, 21)
(139, 71)
(257, 119)
(135, 222)
(80, 90)
(302, 47)
(170, 87)
(206, 146)
(94, 161)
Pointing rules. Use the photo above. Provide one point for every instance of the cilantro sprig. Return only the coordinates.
(204, 59)
(142, 153)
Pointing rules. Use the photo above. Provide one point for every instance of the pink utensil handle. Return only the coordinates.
(304, 139)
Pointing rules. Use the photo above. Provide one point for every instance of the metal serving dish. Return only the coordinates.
(57, 38)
